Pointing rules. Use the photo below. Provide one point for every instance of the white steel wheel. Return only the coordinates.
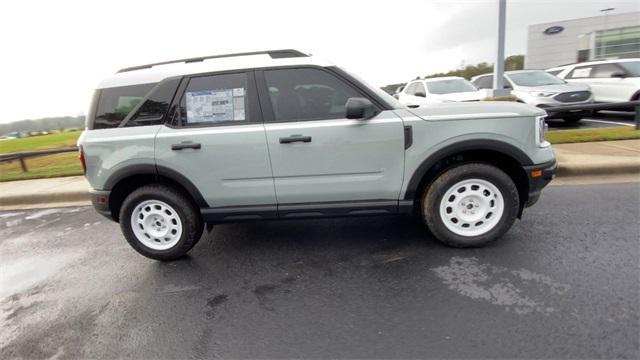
(156, 224)
(471, 207)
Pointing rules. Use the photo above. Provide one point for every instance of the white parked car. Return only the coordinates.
(610, 80)
(439, 90)
(544, 90)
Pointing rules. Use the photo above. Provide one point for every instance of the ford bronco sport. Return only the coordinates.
(170, 147)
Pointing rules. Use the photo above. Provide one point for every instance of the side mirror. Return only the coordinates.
(360, 108)
(507, 87)
(420, 94)
(619, 74)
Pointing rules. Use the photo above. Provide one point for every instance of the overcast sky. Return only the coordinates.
(55, 52)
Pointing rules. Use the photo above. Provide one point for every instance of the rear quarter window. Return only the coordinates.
(114, 104)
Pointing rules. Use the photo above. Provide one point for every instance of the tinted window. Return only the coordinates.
(632, 67)
(307, 94)
(116, 103)
(534, 78)
(215, 99)
(449, 86)
(485, 82)
(155, 107)
(606, 70)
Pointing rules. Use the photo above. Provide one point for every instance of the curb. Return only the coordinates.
(46, 198)
(568, 169)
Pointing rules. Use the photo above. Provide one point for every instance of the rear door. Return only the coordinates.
(216, 140)
(318, 155)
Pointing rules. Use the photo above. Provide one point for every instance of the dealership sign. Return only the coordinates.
(553, 30)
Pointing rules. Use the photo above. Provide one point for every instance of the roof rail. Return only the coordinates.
(275, 54)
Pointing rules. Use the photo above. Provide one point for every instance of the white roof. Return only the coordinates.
(444, 78)
(594, 62)
(157, 73)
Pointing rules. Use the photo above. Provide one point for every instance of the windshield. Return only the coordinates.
(450, 86)
(535, 78)
(632, 67)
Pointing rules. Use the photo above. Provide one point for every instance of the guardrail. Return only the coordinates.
(599, 106)
(20, 156)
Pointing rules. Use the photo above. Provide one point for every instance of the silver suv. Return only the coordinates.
(544, 90)
(170, 147)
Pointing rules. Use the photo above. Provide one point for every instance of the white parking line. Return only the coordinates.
(609, 122)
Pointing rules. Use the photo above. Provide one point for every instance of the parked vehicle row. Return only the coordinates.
(573, 84)
(169, 147)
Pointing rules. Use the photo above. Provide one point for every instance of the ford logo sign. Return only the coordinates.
(553, 30)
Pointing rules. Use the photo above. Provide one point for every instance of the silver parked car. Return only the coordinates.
(544, 90)
(170, 147)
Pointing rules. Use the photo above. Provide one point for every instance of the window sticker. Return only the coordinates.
(581, 73)
(215, 105)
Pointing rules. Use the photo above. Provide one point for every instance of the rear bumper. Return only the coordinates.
(100, 202)
(539, 176)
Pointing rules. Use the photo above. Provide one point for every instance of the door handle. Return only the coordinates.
(186, 145)
(413, 106)
(295, 138)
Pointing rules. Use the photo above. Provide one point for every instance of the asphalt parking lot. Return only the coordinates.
(563, 283)
(598, 120)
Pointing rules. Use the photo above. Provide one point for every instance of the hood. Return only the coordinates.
(460, 96)
(475, 110)
(555, 88)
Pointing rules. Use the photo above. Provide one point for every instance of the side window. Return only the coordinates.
(581, 72)
(606, 70)
(215, 99)
(155, 107)
(411, 89)
(114, 104)
(420, 88)
(485, 82)
(307, 94)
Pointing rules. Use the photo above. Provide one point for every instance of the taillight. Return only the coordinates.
(81, 158)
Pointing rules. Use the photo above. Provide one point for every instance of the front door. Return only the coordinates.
(319, 156)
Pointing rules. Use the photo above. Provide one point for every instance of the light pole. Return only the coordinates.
(498, 67)
(604, 31)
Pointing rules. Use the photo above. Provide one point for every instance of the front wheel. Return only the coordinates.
(470, 205)
(160, 222)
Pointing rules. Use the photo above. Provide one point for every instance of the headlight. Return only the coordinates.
(542, 93)
(541, 131)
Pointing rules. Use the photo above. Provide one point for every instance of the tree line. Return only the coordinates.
(44, 124)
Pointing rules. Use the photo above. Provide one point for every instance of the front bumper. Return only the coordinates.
(100, 202)
(539, 176)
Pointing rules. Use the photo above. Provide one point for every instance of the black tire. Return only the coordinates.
(191, 222)
(572, 119)
(432, 197)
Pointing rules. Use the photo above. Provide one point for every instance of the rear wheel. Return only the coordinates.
(470, 205)
(160, 222)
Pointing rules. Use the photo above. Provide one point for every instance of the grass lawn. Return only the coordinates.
(65, 164)
(586, 135)
(64, 139)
